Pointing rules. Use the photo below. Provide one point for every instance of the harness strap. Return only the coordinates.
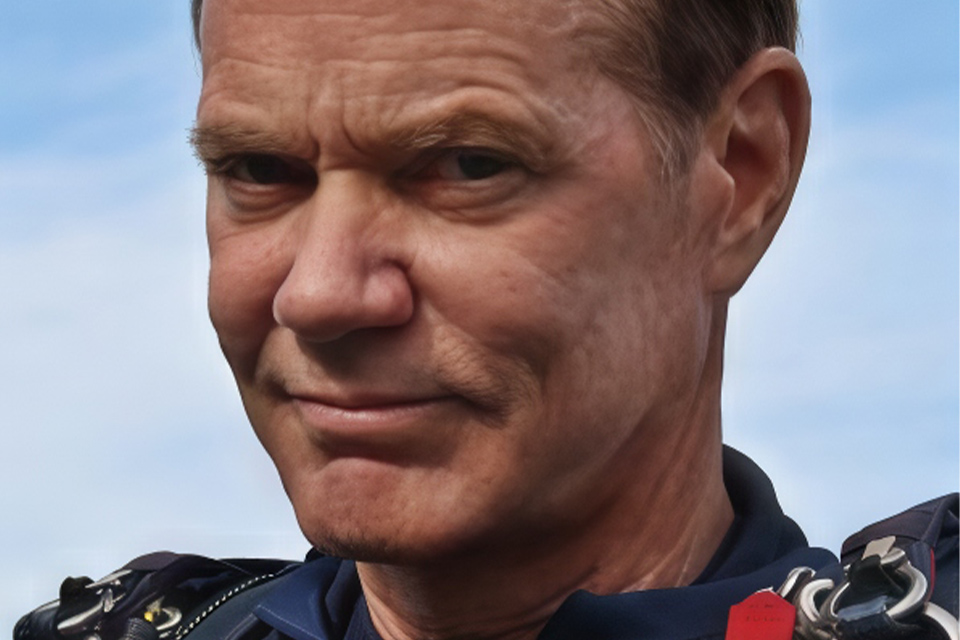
(162, 596)
(886, 586)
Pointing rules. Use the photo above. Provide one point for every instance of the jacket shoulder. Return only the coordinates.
(158, 596)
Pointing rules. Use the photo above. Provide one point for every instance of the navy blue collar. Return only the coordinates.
(322, 599)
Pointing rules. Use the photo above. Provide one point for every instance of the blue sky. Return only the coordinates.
(122, 432)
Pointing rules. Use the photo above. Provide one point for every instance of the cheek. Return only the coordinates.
(246, 269)
(490, 289)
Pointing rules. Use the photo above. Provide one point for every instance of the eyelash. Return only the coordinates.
(228, 167)
(451, 178)
(491, 164)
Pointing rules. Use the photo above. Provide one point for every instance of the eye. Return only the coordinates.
(464, 179)
(265, 169)
(262, 182)
(470, 165)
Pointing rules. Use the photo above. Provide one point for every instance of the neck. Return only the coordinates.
(660, 532)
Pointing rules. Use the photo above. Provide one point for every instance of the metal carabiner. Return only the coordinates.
(895, 559)
(943, 621)
(810, 624)
(821, 622)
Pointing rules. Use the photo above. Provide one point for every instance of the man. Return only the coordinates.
(470, 265)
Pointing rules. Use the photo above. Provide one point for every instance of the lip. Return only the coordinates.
(382, 419)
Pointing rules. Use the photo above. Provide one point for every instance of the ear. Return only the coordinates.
(756, 139)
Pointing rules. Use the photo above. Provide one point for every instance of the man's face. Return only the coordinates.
(457, 303)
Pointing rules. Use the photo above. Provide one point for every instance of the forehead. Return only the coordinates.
(357, 17)
(323, 31)
(302, 52)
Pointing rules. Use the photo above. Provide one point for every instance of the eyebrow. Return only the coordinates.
(478, 130)
(213, 143)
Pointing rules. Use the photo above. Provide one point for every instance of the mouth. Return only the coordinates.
(370, 418)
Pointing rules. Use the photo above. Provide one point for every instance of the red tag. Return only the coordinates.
(762, 616)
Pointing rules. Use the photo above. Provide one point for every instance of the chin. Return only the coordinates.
(368, 547)
(383, 516)
(361, 546)
(381, 542)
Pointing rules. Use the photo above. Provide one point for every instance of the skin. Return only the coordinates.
(473, 329)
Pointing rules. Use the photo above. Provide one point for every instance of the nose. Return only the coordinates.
(347, 272)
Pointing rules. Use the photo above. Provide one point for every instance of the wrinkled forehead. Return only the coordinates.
(292, 29)
(360, 67)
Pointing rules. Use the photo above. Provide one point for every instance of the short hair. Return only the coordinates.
(674, 57)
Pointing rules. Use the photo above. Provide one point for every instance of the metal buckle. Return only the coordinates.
(106, 593)
(819, 622)
(162, 618)
(894, 560)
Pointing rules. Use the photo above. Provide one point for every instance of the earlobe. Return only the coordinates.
(758, 137)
